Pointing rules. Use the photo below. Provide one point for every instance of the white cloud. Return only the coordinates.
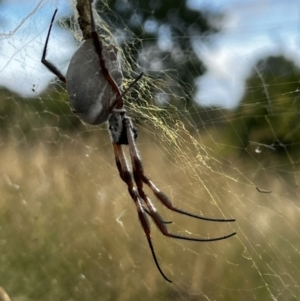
(250, 31)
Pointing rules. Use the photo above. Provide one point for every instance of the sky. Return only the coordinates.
(23, 30)
(250, 30)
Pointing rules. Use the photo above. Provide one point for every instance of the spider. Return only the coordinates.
(92, 81)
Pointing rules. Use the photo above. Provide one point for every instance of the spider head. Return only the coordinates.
(117, 127)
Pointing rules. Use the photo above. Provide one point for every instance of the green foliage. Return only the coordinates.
(264, 128)
(182, 24)
(24, 120)
(268, 115)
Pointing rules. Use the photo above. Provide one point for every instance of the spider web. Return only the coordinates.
(68, 228)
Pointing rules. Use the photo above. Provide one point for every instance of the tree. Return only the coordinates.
(165, 31)
(268, 116)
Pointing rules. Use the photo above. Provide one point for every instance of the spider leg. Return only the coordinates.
(126, 176)
(140, 178)
(129, 87)
(99, 50)
(165, 200)
(148, 212)
(139, 171)
(49, 65)
(118, 102)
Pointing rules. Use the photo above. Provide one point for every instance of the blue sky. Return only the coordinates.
(20, 65)
(250, 31)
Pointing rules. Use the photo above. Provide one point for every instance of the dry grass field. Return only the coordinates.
(69, 230)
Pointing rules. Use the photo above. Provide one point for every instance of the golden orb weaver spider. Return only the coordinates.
(93, 79)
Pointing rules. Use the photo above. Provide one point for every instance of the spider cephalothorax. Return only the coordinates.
(117, 127)
(93, 80)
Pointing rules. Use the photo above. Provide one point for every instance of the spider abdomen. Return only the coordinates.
(89, 91)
